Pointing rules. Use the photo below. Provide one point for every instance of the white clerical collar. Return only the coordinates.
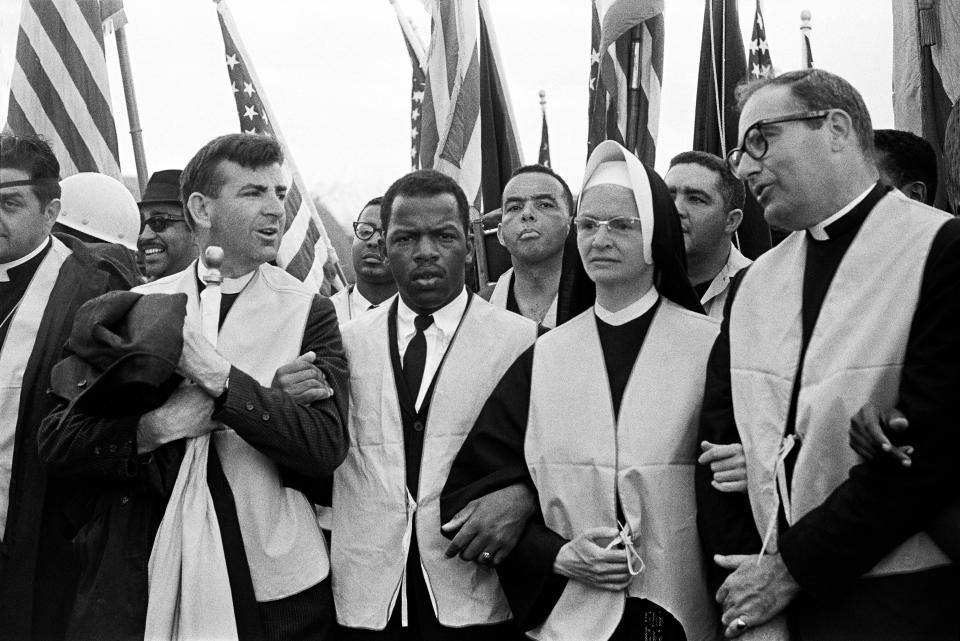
(229, 285)
(632, 311)
(447, 318)
(5, 267)
(819, 231)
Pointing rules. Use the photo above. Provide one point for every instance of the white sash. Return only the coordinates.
(14, 356)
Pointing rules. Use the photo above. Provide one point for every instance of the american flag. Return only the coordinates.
(303, 250)
(450, 128)
(59, 87)
(759, 65)
(418, 58)
(544, 158)
(626, 59)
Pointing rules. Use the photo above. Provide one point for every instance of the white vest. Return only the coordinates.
(264, 330)
(501, 292)
(373, 514)
(581, 457)
(855, 356)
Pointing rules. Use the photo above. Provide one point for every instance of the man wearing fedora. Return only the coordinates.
(166, 243)
(43, 280)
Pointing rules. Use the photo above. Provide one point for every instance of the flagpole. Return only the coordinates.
(133, 114)
(805, 27)
(633, 93)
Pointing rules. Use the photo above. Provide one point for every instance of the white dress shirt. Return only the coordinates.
(634, 310)
(438, 335)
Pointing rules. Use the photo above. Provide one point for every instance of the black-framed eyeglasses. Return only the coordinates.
(159, 224)
(617, 225)
(755, 144)
(365, 231)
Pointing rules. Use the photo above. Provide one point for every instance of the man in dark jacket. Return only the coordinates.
(43, 280)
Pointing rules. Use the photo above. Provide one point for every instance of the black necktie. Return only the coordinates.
(415, 357)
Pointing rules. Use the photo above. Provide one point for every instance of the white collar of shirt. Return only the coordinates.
(5, 267)
(229, 285)
(358, 302)
(438, 335)
(634, 310)
(819, 231)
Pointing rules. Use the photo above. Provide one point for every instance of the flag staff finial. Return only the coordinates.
(805, 20)
(806, 53)
(543, 100)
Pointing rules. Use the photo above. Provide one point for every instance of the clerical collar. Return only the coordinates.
(634, 310)
(819, 231)
(13, 264)
(229, 285)
(447, 318)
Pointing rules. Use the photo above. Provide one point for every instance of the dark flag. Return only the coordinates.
(759, 64)
(544, 158)
(418, 61)
(626, 71)
(926, 79)
(303, 249)
(499, 148)
(723, 66)
(60, 88)
(806, 52)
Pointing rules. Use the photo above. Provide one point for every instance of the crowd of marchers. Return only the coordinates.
(635, 432)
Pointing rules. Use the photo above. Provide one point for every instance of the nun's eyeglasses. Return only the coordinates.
(365, 231)
(755, 144)
(618, 225)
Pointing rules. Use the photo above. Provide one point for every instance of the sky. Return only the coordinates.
(337, 75)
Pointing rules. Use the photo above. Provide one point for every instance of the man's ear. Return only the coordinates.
(500, 234)
(197, 204)
(841, 128)
(916, 189)
(734, 218)
(471, 248)
(51, 212)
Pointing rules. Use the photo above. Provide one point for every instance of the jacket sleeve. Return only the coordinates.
(724, 519)
(880, 506)
(309, 440)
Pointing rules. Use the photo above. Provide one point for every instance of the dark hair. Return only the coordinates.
(819, 89)
(32, 155)
(731, 188)
(906, 157)
(202, 173)
(541, 169)
(371, 203)
(425, 183)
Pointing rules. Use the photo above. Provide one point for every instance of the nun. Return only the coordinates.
(599, 420)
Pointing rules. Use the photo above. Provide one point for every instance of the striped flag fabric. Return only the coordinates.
(759, 64)
(450, 127)
(60, 88)
(418, 59)
(806, 52)
(304, 247)
(544, 158)
(499, 142)
(626, 72)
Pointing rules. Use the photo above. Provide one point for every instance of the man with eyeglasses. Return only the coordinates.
(166, 243)
(859, 305)
(375, 284)
(44, 279)
(598, 420)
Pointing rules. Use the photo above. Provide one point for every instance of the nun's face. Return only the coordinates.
(612, 256)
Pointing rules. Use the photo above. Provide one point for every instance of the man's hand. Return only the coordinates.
(869, 435)
(201, 363)
(186, 414)
(490, 526)
(758, 590)
(587, 559)
(302, 380)
(728, 465)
